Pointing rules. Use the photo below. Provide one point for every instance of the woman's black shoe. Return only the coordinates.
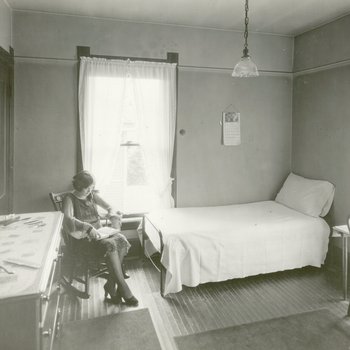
(113, 293)
(132, 301)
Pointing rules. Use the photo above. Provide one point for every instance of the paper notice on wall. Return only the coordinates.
(231, 128)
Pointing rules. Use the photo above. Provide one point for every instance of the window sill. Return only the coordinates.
(131, 223)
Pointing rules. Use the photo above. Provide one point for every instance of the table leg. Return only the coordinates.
(345, 266)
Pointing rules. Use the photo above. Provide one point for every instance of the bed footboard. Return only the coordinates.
(157, 264)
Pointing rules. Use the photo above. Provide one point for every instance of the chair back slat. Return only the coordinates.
(57, 199)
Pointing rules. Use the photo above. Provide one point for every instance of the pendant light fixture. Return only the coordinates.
(245, 67)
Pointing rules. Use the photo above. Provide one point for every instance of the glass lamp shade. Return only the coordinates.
(245, 68)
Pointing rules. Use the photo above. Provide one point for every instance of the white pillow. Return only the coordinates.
(311, 197)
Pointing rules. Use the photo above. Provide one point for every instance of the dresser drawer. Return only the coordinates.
(50, 306)
(51, 327)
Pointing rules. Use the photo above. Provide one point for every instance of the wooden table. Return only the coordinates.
(29, 248)
(343, 232)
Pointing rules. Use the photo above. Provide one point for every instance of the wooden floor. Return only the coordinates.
(216, 305)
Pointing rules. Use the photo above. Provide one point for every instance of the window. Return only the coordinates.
(129, 188)
(127, 122)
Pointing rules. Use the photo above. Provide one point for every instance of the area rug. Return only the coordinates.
(314, 330)
(123, 331)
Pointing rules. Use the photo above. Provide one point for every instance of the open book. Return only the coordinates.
(106, 232)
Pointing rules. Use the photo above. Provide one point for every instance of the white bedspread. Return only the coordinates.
(209, 244)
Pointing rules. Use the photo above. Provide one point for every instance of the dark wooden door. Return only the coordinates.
(6, 132)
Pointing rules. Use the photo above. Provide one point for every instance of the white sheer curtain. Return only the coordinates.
(157, 113)
(101, 91)
(101, 96)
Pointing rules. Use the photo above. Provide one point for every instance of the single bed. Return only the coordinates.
(211, 244)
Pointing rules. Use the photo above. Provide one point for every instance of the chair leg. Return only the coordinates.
(71, 273)
(87, 283)
(70, 289)
(84, 278)
(71, 276)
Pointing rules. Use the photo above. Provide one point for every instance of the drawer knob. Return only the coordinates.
(58, 329)
(45, 297)
(47, 333)
(58, 324)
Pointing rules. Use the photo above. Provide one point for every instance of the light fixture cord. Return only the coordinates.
(246, 21)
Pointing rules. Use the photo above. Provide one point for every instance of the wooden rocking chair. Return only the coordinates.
(77, 268)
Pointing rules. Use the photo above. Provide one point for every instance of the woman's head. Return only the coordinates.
(83, 180)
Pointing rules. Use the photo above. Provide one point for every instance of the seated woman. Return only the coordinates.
(81, 221)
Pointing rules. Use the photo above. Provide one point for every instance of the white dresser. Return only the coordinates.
(29, 299)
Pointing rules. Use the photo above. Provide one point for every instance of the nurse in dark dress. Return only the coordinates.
(81, 221)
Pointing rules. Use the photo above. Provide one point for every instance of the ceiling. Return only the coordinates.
(286, 17)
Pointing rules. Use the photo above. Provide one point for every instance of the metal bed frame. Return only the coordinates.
(159, 268)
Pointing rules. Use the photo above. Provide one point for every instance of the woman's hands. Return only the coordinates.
(93, 234)
(115, 217)
(111, 213)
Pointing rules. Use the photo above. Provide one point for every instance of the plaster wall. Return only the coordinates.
(325, 45)
(5, 26)
(56, 36)
(208, 173)
(321, 111)
(212, 174)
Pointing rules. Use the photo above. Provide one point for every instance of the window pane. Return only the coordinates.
(128, 189)
(129, 136)
(136, 175)
(130, 124)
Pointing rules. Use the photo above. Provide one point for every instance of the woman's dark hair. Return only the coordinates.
(82, 180)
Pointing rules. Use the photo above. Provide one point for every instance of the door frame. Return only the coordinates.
(7, 60)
